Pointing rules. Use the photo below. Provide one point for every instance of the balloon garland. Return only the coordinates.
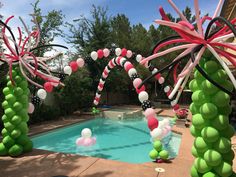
(158, 130)
(23, 66)
(211, 88)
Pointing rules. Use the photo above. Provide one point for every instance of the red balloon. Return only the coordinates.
(101, 85)
(128, 66)
(74, 66)
(158, 76)
(123, 52)
(152, 123)
(48, 86)
(97, 99)
(176, 107)
(100, 53)
(141, 89)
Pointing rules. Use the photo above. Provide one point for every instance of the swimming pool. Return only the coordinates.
(127, 141)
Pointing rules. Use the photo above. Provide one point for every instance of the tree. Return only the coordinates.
(49, 24)
(121, 31)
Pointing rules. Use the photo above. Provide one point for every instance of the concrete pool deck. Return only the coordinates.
(40, 163)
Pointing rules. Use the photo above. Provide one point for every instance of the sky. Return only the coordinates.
(138, 11)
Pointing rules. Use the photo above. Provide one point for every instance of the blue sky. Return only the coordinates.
(138, 11)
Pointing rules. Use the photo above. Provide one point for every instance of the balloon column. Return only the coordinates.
(86, 138)
(23, 66)
(157, 132)
(212, 90)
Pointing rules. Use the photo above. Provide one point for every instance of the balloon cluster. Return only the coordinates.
(158, 153)
(86, 138)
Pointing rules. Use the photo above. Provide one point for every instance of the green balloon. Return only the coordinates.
(9, 126)
(5, 119)
(211, 67)
(10, 98)
(23, 127)
(220, 99)
(201, 165)
(153, 154)
(22, 140)
(18, 91)
(219, 76)
(15, 150)
(8, 141)
(4, 132)
(210, 134)
(23, 99)
(14, 72)
(195, 153)
(9, 112)
(157, 145)
(194, 172)
(195, 132)
(229, 156)
(228, 132)
(17, 106)
(194, 108)
(23, 85)
(193, 85)
(220, 122)
(198, 76)
(228, 85)
(5, 104)
(16, 120)
(208, 110)
(25, 118)
(18, 79)
(164, 154)
(210, 174)
(22, 113)
(199, 97)
(222, 145)
(224, 169)
(15, 133)
(9, 84)
(226, 110)
(209, 88)
(3, 149)
(212, 157)
(200, 144)
(6, 91)
(28, 146)
(198, 121)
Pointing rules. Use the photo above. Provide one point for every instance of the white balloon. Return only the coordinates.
(106, 52)
(161, 124)
(166, 122)
(131, 72)
(86, 133)
(101, 81)
(122, 60)
(30, 108)
(166, 89)
(161, 80)
(155, 70)
(118, 51)
(156, 133)
(94, 55)
(67, 70)
(129, 54)
(42, 94)
(174, 102)
(98, 95)
(139, 58)
(80, 62)
(95, 102)
(142, 96)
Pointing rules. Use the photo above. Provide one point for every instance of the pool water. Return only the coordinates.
(127, 141)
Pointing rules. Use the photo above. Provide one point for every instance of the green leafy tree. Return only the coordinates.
(49, 24)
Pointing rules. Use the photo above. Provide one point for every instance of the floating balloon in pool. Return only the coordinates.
(86, 138)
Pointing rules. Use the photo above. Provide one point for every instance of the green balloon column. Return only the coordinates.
(210, 123)
(15, 140)
(158, 152)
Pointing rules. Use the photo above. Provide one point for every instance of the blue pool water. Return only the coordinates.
(127, 141)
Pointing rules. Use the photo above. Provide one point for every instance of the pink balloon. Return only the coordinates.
(128, 66)
(79, 141)
(30, 108)
(168, 128)
(164, 132)
(137, 82)
(86, 141)
(149, 112)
